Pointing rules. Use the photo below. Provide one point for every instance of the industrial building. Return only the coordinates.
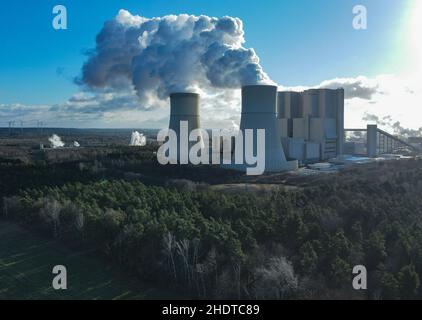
(312, 124)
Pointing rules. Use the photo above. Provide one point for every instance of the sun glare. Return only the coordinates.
(415, 34)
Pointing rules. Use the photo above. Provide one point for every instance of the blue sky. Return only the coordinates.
(300, 43)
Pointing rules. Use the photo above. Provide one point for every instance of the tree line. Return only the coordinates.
(286, 244)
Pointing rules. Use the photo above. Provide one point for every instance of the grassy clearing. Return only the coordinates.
(27, 261)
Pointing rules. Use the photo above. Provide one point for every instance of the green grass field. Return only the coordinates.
(27, 261)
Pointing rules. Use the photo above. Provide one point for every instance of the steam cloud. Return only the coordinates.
(359, 87)
(56, 141)
(395, 126)
(138, 139)
(172, 53)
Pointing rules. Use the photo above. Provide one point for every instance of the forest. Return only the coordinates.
(286, 244)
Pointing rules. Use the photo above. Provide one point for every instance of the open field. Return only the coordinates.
(27, 260)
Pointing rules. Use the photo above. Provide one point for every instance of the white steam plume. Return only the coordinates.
(56, 141)
(76, 144)
(138, 139)
(395, 127)
(172, 53)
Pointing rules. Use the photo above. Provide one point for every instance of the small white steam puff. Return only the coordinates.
(56, 142)
(137, 139)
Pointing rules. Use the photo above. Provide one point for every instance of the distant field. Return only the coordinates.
(27, 260)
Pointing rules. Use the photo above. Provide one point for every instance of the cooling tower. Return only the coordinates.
(184, 107)
(259, 111)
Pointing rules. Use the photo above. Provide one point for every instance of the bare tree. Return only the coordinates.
(183, 252)
(169, 247)
(276, 280)
(50, 212)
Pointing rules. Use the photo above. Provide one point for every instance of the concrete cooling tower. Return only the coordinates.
(259, 111)
(184, 107)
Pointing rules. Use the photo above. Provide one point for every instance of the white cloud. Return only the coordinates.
(358, 87)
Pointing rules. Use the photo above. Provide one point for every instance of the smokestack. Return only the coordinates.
(259, 111)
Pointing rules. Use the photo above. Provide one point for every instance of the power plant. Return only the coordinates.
(300, 127)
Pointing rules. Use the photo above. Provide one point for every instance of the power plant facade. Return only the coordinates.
(300, 127)
(312, 124)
